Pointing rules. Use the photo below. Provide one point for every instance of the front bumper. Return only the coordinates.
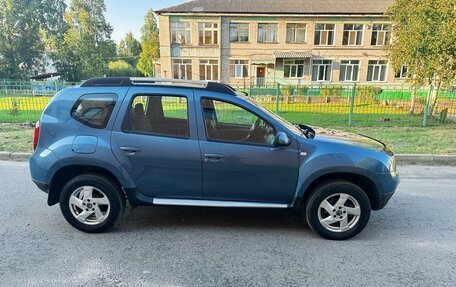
(386, 184)
(383, 199)
(42, 186)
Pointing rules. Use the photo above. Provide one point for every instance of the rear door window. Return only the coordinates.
(94, 110)
(159, 115)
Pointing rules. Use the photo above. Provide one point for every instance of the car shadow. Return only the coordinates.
(147, 217)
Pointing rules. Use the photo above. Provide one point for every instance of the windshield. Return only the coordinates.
(284, 122)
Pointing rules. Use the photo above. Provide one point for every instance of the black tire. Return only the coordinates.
(322, 192)
(110, 189)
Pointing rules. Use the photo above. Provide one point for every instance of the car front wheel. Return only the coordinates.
(338, 210)
(92, 203)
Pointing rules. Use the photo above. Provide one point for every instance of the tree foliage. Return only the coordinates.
(25, 25)
(149, 44)
(424, 39)
(86, 45)
(129, 49)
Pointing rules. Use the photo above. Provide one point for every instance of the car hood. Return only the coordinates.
(335, 136)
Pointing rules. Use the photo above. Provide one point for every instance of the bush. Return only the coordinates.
(331, 90)
(287, 90)
(121, 69)
(368, 94)
(15, 106)
(297, 90)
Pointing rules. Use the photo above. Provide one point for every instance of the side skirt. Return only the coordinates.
(216, 203)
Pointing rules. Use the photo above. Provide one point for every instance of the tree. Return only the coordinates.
(424, 34)
(129, 49)
(149, 44)
(86, 44)
(23, 26)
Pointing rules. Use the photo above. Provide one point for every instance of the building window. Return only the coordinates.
(208, 33)
(296, 32)
(293, 69)
(353, 34)
(401, 73)
(180, 33)
(239, 32)
(182, 69)
(321, 70)
(376, 71)
(157, 71)
(239, 68)
(349, 70)
(208, 70)
(324, 34)
(380, 34)
(267, 33)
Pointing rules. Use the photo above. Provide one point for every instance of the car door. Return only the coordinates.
(156, 142)
(241, 164)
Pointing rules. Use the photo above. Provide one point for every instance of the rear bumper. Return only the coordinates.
(42, 164)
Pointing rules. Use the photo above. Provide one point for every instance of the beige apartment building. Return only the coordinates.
(290, 42)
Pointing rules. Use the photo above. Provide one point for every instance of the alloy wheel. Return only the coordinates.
(89, 205)
(339, 212)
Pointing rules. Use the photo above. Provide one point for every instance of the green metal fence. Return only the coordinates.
(24, 100)
(321, 104)
(357, 104)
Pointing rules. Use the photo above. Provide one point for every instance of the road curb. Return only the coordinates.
(4, 155)
(425, 159)
(401, 159)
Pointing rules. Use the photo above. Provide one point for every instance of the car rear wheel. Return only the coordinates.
(338, 210)
(92, 203)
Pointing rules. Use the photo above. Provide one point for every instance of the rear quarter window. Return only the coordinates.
(94, 110)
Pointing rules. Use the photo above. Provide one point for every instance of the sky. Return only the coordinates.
(128, 15)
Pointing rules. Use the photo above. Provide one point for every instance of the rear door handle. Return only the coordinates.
(213, 156)
(130, 150)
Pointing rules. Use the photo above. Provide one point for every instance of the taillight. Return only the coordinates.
(36, 134)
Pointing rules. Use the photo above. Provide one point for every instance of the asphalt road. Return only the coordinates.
(411, 242)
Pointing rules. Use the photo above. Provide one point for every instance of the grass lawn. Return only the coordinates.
(429, 140)
(16, 138)
(419, 140)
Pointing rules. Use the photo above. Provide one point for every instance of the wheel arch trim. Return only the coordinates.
(358, 176)
(77, 167)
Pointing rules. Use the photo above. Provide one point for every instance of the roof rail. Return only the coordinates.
(138, 81)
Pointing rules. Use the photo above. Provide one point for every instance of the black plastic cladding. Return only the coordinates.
(126, 82)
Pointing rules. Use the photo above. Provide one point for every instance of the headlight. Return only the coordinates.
(392, 166)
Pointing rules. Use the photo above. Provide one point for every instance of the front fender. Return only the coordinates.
(333, 163)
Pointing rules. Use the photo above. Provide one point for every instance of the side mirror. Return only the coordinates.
(281, 139)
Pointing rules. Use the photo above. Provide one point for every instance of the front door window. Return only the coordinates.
(227, 122)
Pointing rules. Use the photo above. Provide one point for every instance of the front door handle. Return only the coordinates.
(213, 156)
(130, 150)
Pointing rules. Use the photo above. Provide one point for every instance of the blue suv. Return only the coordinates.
(174, 142)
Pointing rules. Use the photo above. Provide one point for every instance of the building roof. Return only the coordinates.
(281, 7)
